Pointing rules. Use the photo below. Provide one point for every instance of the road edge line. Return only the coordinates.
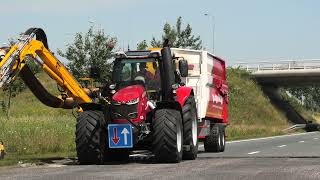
(271, 137)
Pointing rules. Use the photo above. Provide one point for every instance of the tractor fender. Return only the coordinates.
(91, 106)
(169, 105)
(182, 94)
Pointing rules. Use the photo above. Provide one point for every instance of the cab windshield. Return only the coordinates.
(137, 71)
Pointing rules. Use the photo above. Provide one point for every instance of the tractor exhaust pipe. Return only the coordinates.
(167, 74)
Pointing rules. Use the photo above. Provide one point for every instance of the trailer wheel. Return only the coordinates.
(90, 139)
(190, 130)
(222, 138)
(167, 136)
(212, 142)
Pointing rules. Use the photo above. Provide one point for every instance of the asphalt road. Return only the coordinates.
(284, 157)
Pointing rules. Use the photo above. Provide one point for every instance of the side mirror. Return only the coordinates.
(95, 72)
(183, 68)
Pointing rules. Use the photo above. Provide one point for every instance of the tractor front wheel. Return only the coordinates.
(167, 136)
(90, 139)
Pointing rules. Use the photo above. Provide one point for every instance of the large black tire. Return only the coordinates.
(90, 137)
(222, 139)
(167, 136)
(190, 129)
(213, 142)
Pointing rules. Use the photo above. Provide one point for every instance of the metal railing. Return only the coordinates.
(279, 65)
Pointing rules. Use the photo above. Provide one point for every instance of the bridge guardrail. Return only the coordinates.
(279, 65)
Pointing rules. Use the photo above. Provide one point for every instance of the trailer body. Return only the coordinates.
(207, 77)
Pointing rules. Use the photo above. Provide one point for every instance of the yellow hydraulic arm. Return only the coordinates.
(33, 45)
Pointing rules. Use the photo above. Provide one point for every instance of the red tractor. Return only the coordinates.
(161, 103)
(148, 110)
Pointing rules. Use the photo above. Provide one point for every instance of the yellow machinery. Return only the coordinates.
(33, 45)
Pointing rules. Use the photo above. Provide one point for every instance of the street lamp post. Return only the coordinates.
(213, 29)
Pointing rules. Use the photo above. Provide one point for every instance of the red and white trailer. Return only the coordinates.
(207, 77)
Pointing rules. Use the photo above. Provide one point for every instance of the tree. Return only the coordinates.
(310, 96)
(92, 49)
(143, 45)
(177, 36)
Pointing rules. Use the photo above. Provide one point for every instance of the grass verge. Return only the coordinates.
(251, 113)
(34, 130)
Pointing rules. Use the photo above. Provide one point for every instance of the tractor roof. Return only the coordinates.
(137, 54)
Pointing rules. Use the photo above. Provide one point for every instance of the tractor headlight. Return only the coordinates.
(134, 101)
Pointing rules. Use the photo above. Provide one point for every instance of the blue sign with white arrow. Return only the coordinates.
(120, 136)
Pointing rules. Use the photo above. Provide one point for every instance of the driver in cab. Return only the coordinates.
(144, 73)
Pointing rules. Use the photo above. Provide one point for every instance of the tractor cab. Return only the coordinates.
(136, 85)
(131, 70)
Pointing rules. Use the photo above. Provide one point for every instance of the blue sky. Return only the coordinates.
(246, 30)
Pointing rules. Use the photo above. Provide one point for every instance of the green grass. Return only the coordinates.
(38, 134)
(34, 129)
(316, 117)
(250, 111)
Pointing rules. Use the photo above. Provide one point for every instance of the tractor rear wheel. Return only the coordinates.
(190, 130)
(90, 137)
(167, 136)
(213, 142)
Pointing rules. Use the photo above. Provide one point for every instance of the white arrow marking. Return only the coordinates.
(125, 133)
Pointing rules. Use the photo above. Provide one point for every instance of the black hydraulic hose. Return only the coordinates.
(34, 84)
(40, 92)
(40, 35)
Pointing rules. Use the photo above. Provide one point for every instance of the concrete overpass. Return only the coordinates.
(289, 73)
(272, 75)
